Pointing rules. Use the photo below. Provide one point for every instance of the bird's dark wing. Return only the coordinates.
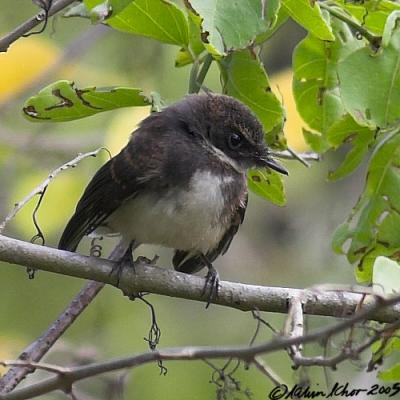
(115, 182)
(190, 263)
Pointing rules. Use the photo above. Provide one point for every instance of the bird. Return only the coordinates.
(180, 182)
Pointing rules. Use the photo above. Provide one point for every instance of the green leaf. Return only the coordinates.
(364, 269)
(372, 97)
(371, 15)
(316, 86)
(344, 129)
(62, 101)
(275, 17)
(386, 276)
(340, 237)
(229, 25)
(196, 46)
(116, 6)
(267, 184)
(373, 227)
(392, 374)
(157, 19)
(244, 77)
(354, 157)
(361, 138)
(316, 141)
(308, 14)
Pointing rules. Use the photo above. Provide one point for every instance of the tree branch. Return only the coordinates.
(65, 380)
(148, 278)
(31, 23)
(37, 349)
(42, 187)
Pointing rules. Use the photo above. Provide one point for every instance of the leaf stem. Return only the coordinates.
(373, 39)
(204, 70)
(193, 87)
(197, 77)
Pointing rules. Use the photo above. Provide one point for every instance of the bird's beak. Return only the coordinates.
(268, 161)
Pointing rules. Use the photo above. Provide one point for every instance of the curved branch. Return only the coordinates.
(31, 23)
(148, 278)
(68, 376)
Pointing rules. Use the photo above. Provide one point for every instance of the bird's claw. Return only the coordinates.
(145, 260)
(211, 285)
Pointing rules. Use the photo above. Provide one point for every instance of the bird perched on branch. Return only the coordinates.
(180, 182)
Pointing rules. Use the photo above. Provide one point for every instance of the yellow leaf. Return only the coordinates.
(23, 63)
(293, 125)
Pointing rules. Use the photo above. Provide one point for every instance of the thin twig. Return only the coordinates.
(34, 365)
(346, 353)
(294, 324)
(42, 187)
(245, 353)
(267, 371)
(302, 157)
(37, 349)
(31, 23)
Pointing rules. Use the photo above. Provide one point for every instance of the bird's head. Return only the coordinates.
(230, 126)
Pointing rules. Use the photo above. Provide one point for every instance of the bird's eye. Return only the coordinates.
(235, 141)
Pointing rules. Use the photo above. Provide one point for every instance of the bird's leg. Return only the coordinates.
(125, 261)
(212, 281)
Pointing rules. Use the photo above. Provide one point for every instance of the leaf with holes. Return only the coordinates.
(62, 101)
(361, 138)
(308, 14)
(158, 19)
(275, 17)
(370, 82)
(229, 25)
(245, 78)
(371, 14)
(373, 228)
(267, 184)
(315, 85)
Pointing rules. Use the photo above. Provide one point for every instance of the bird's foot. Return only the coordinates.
(145, 260)
(211, 285)
(125, 262)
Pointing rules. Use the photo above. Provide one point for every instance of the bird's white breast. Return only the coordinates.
(186, 219)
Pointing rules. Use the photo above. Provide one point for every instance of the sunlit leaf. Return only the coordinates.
(196, 46)
(268, 185)
(158, 19)
(308, 14)
(392, 374)
(17, 73)
(371, 14)
(386, 276)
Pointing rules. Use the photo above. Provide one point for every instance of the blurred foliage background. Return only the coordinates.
(287, 246)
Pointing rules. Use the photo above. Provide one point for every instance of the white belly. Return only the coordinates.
(187, 220)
